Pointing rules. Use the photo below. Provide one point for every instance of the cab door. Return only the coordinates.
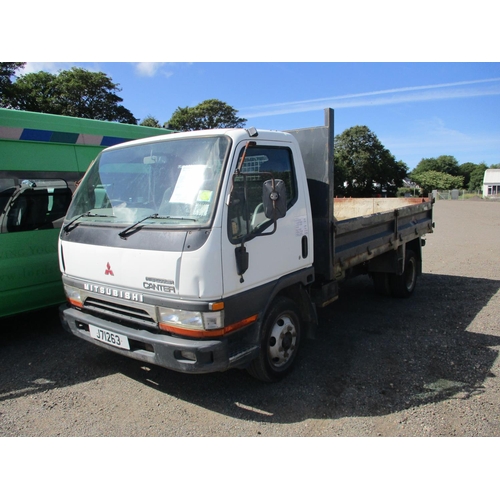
(273, 251)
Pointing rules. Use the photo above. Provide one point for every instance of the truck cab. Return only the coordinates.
(175, 247)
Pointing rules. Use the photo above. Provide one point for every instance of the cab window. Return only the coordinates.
(246, 211)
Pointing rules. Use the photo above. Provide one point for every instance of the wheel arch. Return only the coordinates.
(416, 246)
(296, 288)
(393, 261)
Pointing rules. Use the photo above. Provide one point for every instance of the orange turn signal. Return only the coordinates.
(219, 332)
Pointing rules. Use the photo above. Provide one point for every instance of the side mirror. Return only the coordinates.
(274, 199)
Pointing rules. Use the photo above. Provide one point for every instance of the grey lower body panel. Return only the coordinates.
(174, 353)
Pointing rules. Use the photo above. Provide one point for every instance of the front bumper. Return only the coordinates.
(174, 353)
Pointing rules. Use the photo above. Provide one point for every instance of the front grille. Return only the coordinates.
(125, 313)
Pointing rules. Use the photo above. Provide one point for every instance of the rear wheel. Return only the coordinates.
(281, 333)
(402, 286)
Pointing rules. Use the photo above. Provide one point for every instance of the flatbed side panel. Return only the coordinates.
(349, 208)
(360, 239)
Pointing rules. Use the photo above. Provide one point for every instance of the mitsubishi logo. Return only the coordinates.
(108, 270)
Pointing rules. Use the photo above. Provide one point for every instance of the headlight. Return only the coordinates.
(73, 296)
(191, 323)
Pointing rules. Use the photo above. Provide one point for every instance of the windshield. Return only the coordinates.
(176, 181)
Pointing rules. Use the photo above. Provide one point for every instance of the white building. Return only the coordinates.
(491, 182)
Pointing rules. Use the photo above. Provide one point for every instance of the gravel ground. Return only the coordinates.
(427, 366)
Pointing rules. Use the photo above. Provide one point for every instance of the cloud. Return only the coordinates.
(150, 69)
(432, 138)
(471, 88)
(436, 128)
(55, 67)
(49, 67)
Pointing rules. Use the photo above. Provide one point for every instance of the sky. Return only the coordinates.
(425, 80)
(416, 109)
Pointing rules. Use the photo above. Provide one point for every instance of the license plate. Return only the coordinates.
(111, 338)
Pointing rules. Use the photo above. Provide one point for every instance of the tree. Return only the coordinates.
(476, 178)
(88, 94)
(432, 179)
(465, 170)
(76, 92)
(473, 174)
(363, 166)
(150, 121)
(35, 92)
(7, 72)
(211, 113)
(445, 163)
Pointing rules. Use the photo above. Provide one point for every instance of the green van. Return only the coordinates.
(42, 157)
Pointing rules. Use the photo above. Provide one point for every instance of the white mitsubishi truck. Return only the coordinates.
(209, 250)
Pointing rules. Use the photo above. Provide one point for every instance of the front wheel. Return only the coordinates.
(281, 333)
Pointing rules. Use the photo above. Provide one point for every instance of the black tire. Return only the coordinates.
(402, 286)
(281, 332)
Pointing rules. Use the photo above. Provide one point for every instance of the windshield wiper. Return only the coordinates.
(68, 226)
(123, 234)
(176, 217)
(127, 231)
